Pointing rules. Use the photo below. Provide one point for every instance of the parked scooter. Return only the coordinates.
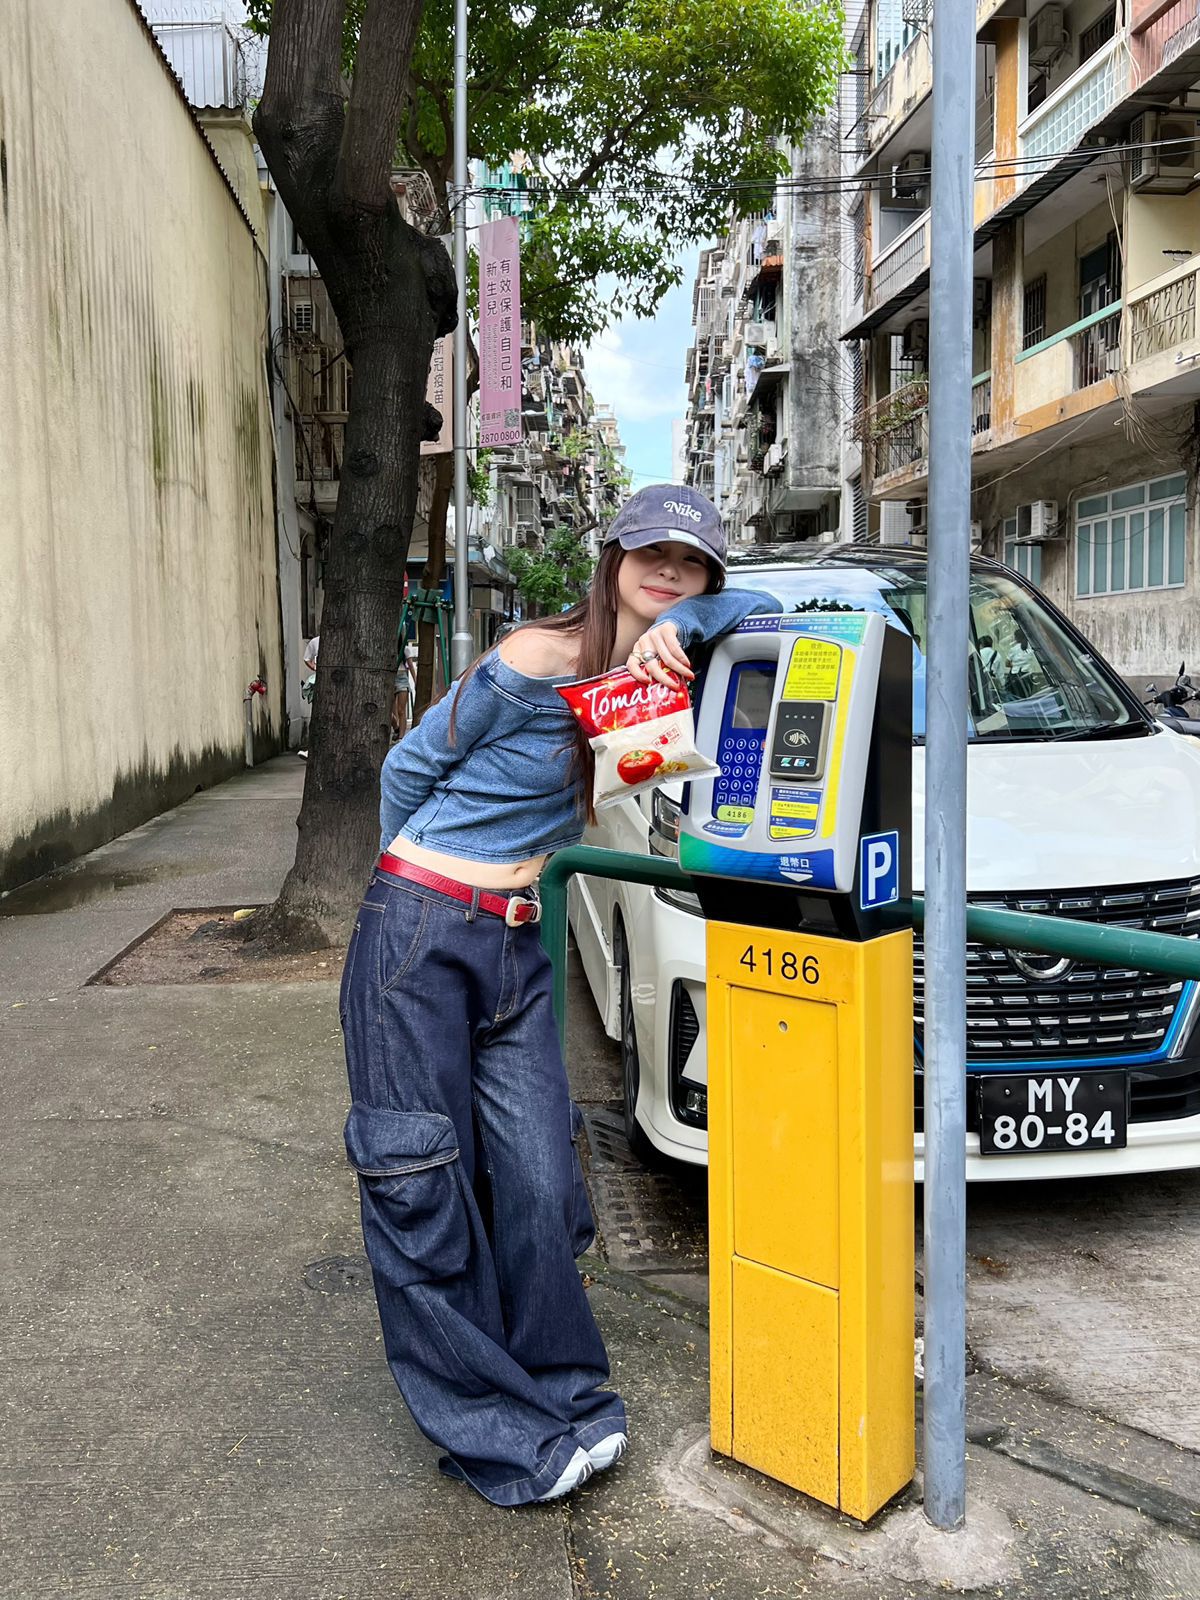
(1170, 705)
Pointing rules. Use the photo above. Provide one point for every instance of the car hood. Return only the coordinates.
(1065, 816)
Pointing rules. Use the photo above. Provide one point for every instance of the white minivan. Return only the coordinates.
(1080, 805)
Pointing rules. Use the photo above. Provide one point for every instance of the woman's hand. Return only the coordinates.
(658, 656)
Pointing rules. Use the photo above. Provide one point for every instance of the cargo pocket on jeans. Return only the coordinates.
(583, 1224)
(415, 1223)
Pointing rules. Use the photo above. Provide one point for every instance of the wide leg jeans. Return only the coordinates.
(462, 1132)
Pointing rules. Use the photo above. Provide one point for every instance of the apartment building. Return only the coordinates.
(1086, 349)
(762, 433)
(566, 473)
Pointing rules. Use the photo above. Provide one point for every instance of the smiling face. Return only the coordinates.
(656, 577)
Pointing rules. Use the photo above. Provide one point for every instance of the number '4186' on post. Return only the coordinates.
(781, 964)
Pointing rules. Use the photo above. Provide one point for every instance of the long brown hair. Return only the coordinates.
(593, 621)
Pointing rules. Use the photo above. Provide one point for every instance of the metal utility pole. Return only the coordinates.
(950, 299)
(461, 644)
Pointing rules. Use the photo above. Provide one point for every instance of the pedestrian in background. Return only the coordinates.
(310, 686)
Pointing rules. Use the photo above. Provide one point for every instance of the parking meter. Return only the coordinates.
(801, 856)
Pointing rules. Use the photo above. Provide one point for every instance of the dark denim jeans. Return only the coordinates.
(473, 1205)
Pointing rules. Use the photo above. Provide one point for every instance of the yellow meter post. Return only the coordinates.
(811, 1209)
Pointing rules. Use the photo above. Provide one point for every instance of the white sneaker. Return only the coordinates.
(608, 1451)
(578, 1470)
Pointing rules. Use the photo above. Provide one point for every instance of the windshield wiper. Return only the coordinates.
(1104, 730)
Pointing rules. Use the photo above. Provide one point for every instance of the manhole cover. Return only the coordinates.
(649, 1221)
(338, 1275)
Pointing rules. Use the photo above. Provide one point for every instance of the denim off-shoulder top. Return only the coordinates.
(506, 789)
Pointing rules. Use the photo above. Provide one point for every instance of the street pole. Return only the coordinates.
(461, 644)
(950, 303)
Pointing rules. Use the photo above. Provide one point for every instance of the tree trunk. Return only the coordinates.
(392, 290)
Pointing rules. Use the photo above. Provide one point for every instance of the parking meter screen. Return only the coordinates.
(752, 702)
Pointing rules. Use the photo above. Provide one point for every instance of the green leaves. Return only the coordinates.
(637, 122)
(555, 576)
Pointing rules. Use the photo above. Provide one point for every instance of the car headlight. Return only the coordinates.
(663, 840)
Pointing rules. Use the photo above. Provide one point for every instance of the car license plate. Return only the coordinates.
(1020, 1113)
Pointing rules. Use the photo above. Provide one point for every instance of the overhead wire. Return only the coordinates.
(675, 185)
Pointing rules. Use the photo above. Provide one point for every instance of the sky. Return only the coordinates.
(637, 368)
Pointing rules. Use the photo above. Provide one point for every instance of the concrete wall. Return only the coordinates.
(1143, 634)
(810, 411)
(135, 441)
(1156, 223)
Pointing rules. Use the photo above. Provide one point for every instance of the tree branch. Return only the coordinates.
(363, 178)
(303, 85)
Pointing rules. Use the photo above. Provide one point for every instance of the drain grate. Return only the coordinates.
(649, 1221)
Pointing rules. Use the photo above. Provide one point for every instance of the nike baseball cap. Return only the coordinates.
(670, 511)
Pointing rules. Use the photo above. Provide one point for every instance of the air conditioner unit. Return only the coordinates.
(914, 341)
(1048, 36)
(977, 536)
(1037, 521)
(908, 184)
(1165, 147)
(774, 458)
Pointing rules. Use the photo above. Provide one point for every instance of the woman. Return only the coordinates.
(461, 1126)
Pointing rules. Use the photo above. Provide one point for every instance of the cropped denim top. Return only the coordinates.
(505, 790)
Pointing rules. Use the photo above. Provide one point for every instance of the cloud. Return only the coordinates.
(638, 390)
(637, 368)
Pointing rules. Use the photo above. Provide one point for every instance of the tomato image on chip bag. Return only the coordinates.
(643, 733)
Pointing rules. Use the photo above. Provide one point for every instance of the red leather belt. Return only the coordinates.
(513, 910)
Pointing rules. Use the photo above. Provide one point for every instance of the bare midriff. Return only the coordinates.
(479, 874)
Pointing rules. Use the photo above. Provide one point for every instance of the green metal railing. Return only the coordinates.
(1101, 944)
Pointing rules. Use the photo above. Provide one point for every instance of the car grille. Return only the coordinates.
(1087, 1010)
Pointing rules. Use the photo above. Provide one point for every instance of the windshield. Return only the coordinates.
(1027, 677)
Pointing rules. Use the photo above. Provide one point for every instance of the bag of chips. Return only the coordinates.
(643, 733)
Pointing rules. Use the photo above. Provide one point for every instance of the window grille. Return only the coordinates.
(526, 501)
(1034, 320)
(858, 511)
(859, 222)
(1098, 35)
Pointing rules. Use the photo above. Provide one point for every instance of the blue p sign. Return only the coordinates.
(878, 870)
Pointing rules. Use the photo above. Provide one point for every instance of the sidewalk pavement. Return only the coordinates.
(195, 1396)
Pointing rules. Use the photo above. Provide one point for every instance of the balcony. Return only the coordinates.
(895, 431)
(1069, 362)
(900, 270)
(1162, 34)
(981, 405)
(1163, 353)
(320, 447)
(1061, 121)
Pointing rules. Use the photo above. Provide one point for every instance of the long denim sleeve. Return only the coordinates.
(707, 616)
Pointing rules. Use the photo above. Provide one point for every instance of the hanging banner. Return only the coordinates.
(439, 392)
(499, 333)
